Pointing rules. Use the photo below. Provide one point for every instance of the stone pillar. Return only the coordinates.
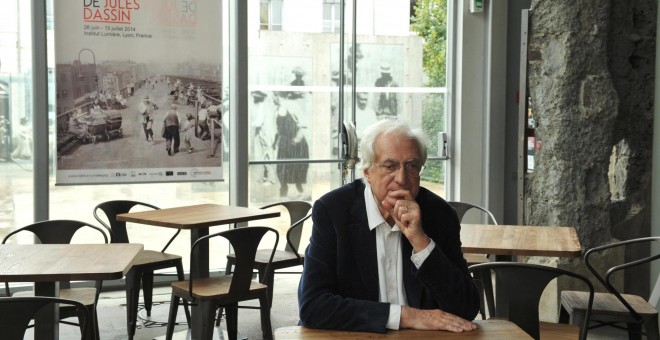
(591, 79)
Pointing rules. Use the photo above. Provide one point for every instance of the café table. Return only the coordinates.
(47, 264)
(487, 329)
(198, 218)
(506, 242)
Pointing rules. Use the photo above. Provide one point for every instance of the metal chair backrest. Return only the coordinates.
(462, 208)
(607, 277)
(521, 286)
(18, 311)
(244, 241)
(55, 232)
(298, 211)
(117, 229)
(296, 229)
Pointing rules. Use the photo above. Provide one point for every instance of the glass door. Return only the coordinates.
(334, 61)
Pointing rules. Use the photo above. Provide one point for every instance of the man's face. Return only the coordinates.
(392, 150)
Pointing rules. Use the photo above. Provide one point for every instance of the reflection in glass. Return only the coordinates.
(296, 75)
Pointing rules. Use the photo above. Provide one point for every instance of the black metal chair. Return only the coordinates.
(18, 311)
(521, 286)
(145, 263)
(62, 232)
(290, 256)
(614, 307)
(226, 291)
(463, 208)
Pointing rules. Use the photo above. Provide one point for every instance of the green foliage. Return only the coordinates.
(430, 22)
(433, 121)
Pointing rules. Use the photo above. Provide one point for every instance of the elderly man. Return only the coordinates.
(385, 253)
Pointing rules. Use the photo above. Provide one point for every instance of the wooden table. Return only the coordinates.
(488, 329)
(198, 219)
(46, 264)
(506, 241)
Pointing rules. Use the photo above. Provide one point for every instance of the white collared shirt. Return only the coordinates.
(390, 264)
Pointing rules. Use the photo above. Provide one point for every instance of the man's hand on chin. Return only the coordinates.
(433, 319)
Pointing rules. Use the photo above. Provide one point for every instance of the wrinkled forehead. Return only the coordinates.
(392, 146)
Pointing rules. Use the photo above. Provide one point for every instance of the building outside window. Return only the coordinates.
(270, 15)
(331, 16)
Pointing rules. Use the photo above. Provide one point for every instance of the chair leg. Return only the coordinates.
(181, 277)
(487, 284)
(231, 311)
(264, 308)
(267, 277)
(230, 265)
(88, 330)
(93, 328)
(576, 318)
(634, 331)
(132, 298)
(207, 311)
(478, 281)
(651, 327)
(148, 290)
(97, 332)
(564, 316)
(171, 320)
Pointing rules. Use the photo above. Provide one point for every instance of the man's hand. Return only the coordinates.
(433, 319)
(405, 211)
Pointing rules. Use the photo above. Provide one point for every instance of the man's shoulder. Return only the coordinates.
(343, 197)
(345, 191)
(430, 200)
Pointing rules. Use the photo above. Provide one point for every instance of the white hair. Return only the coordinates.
(386, 127)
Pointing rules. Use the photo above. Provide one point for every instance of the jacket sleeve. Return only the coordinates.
(444, 274)
(322, 303)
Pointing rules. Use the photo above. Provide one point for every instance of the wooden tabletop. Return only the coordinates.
(62, 262)
(197, 216)
(516, 240)
(488, 329)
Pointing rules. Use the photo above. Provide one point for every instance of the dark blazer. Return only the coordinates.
(339, 285)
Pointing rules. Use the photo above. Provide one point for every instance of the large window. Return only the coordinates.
(16, 186)
(305, 79)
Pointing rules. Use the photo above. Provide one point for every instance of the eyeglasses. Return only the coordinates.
(410, 168)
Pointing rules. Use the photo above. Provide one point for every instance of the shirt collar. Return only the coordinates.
(374, 218)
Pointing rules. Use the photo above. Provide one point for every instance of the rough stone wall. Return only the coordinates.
(591, 81)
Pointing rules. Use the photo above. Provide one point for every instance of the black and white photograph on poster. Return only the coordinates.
(280, 120)
(138, 91)
(378, 73)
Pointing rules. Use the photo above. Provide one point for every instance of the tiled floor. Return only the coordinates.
(112, 316)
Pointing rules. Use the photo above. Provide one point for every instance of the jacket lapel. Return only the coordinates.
(364, 247)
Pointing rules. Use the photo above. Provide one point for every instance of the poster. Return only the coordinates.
(378, 75)
(281, 125)
(138, 91)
